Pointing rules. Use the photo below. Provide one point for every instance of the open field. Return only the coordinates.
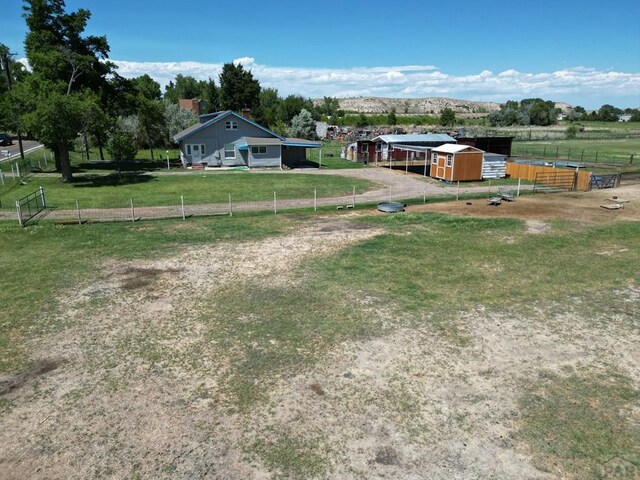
(104, 191)
(618, 152)
(466, 342)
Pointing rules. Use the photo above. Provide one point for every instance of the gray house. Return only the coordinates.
(226, 139)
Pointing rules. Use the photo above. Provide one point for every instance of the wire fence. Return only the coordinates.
(572, 154)
(179, 206)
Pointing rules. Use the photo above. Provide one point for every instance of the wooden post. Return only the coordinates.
(458, 189)
(596, 156)
(275, 203)
(2, 177)
(315, 199)
(230, 207)
(44, 203)
(133, 212)
(184, 217)
(406, 162)
(518, 192)
(320, 158)
(78, 213)
(353, 202)
(19, 212)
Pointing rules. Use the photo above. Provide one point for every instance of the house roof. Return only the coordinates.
(216, 117)
(300, 142)
(453, 148)
(416, 138)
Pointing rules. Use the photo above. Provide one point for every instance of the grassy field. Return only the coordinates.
(103, 191)
(298, 346)
(602, 151)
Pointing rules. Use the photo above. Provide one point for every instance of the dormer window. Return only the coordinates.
(231, 125)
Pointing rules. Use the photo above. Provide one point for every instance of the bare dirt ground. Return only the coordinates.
(583, 207)
(410, 404)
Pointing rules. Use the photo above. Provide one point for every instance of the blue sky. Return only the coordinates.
(582, 52)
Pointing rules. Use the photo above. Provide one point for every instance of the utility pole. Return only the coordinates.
(5, 64)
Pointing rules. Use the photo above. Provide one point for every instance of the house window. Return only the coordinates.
(261, 150)
(202, 149)
(188, 149)
(434, 158)
(449, 160)
(364, 148)
(231, 125)
(229, 150)
(378, 146)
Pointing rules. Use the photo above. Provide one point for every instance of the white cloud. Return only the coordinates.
(581, 84)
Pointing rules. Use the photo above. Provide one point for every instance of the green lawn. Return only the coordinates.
(102, 191)
(424, 270)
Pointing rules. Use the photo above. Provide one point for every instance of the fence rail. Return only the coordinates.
(179, 206)
(572, 154)
(581, 180)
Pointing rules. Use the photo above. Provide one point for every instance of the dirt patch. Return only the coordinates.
(582, 207)
(36, 370)
(134, 277)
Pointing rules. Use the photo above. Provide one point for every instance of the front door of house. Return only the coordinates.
(196, 154)
(385, 151)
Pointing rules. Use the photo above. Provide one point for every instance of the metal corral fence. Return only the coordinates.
(575, 154)
(580, 181)
(159, 207)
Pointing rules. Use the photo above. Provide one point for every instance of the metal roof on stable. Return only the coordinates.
(416, 138)
(300, 142)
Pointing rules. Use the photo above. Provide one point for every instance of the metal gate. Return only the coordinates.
(30, 205)
(558, 181)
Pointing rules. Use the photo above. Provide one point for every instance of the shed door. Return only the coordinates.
(385, 151)
(440, 170)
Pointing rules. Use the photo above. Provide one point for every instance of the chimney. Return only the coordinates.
(246, 113)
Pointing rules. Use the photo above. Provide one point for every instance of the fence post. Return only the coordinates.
(596, 156)
(353, 202)
(582, 155)
(424, 194)
(2, 177)
(230, 207)
(557, 149)
(315, 199)
(518, 192)
(44, 203)
(275, 203)
(458, 189)
(133, 212)
(184, 217)
(631, 159)
(18, 170)
(19, 211)
(78, 213)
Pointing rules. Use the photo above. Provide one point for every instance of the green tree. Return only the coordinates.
(122, 147)
(303, 125)
(68, 72)
(447, 117)
(608, 113)
(238, 88)
(392, 118)
(571, 131)
(268, 112)
(362, 121)
(177, 119)
(292, 105)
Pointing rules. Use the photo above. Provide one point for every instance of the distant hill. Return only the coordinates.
(430, 105)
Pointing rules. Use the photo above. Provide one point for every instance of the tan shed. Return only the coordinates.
(455, 163)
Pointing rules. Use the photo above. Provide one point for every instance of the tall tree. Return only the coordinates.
(303, 125)
(447, 117)
(69, 69)
(238, 88)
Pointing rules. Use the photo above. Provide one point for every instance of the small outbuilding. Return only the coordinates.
(455, 163)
